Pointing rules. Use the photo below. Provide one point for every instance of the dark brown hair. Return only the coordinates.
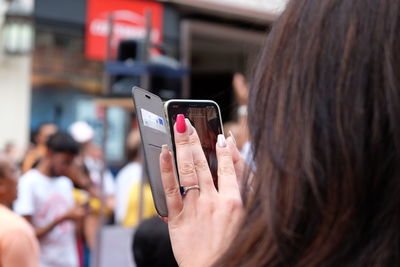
(63, 143)
(324, 115)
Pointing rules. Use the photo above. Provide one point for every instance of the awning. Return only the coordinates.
(263, 11)
(123, 102)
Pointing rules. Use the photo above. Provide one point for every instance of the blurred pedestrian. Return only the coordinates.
(45, 199)
(12, 152)
(18, 244)
(133, 197)
(89, 169)
(92, 158)
(38, 150)
(241, 129)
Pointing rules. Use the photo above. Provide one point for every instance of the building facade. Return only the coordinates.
(65, 77)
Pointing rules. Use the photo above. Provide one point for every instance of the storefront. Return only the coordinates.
(74, 43)
(212, 41)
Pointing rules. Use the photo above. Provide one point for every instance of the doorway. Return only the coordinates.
(214, 52)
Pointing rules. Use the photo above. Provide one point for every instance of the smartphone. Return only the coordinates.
(205, 117)
(156, 121)
(154, 132)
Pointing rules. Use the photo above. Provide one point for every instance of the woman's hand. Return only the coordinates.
(204, 221)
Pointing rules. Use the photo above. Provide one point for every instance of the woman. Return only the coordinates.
(324, 115)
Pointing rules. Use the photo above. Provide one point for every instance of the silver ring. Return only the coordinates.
(185, 189)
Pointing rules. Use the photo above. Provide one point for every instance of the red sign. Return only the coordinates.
(128, 23)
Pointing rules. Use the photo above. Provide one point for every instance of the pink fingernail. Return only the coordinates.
(180, 123)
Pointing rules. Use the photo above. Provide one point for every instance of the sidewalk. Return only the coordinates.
(116, 247)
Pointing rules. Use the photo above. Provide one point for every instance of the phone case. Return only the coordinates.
(155, 133)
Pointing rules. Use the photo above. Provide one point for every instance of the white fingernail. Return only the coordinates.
(221, 140)
(189, 126)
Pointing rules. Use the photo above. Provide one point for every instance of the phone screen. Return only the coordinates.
(205, 118)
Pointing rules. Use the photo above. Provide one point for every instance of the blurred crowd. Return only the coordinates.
(56, 196)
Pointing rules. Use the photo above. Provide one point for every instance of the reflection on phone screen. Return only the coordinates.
(208, 125)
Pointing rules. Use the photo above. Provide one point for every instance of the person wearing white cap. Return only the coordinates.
(81, 131)
(92, 170)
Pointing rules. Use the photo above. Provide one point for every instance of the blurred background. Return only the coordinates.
(56, 59)
(63, 61)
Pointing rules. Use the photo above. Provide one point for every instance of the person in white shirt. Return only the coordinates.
(45, 199)
(128, 176)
